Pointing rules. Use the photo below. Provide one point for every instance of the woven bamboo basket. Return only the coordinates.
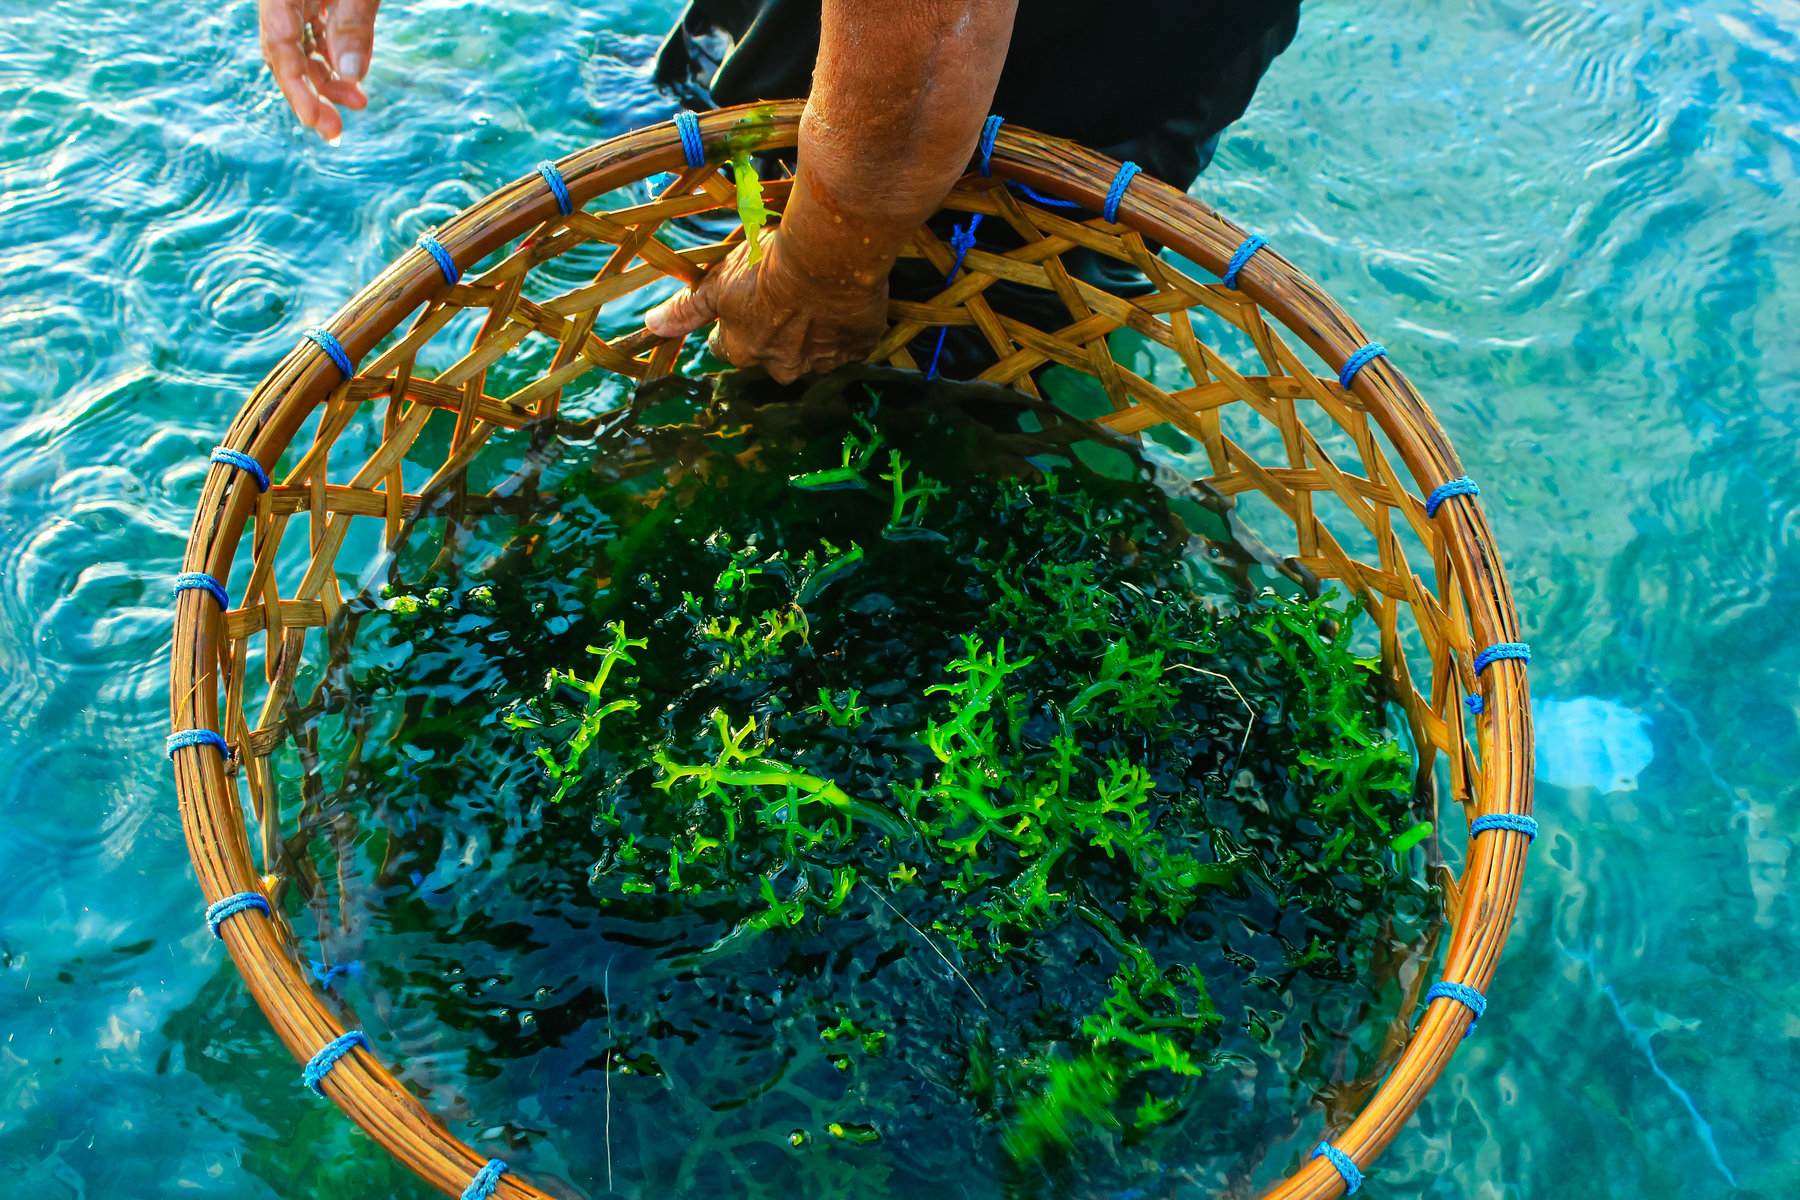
(1354, 442)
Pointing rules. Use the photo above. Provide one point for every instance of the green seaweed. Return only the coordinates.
(750, 207)
(565, 770)
(986, 727)
(858, 454)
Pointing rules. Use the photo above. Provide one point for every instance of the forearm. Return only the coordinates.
(899, 96)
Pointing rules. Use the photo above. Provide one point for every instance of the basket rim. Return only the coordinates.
(214, 819)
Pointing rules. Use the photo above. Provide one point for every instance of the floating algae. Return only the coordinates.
(751, 210)
(824, 795)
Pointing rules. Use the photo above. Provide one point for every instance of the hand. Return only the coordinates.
(778, 315)
(314, 75)
(892, 121)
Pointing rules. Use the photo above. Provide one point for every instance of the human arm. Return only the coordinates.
(343, 33)
(899, 95)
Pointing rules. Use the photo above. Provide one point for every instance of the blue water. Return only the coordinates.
(1574, 225)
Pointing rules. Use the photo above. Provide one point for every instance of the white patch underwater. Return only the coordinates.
(1590, 742)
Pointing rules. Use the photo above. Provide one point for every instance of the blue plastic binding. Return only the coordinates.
(243, 462)
(1500, 650)
(962, 240)
(1345, 1165)
(197, 737)
(1127, 172)
(1513, 822)
(327, 975)
(201, 581)
(231, 906)
(1251, 245)
(1464, 995)
(1359, 360)
(1034, 194)
(321, 1063)
(990, 129)
(688, 125)
(323, 339)
(445, 263)
(1462, 485)
(558, 188)
(486, 1180)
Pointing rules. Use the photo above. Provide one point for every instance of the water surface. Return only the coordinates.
(1573, 226)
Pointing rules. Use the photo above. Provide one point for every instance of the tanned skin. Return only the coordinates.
(328, 72)
(898, 98)
(899, 94)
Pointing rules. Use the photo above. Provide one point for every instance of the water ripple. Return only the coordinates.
(1572, 224)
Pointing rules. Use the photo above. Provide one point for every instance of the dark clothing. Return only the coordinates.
(1154, 81)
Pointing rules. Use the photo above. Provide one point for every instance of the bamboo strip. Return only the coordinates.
(1471, 606)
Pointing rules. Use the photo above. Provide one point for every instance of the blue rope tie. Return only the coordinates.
(688, 125)
(1346, 1166)
(1475, 704)
(1500, 650)
(558, 188)
(1251, 245)
(1515, 822)
(326, 975)
(231, 906)
(445, 263)
(1359, 360)
(962, 240)
(1462, 485)
(201, 581)
(486, 1180)
(243, 462)
(1464, 995)
(1127, 172)
(1052, 201)
(330, 345)
(990, 130)
(321, 1063)
(197, 737)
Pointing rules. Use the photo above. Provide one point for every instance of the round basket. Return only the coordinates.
(1351, 443)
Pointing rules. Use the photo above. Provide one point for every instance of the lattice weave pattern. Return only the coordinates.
(1349, 443)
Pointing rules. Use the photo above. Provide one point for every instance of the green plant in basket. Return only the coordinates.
(1021, 834)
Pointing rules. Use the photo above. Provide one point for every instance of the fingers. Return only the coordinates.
(308, 83)
(715, 344)
(350, 38)
(787, 326)
(784, 366)
(682, 313)
(726, 345)
(346, 92)
(282, 23)
(784, 362)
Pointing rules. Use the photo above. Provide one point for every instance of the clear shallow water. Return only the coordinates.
(1573, 225)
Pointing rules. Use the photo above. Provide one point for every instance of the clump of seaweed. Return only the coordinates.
(881, 667)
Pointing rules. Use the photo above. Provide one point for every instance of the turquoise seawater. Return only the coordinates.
(1574, 225)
